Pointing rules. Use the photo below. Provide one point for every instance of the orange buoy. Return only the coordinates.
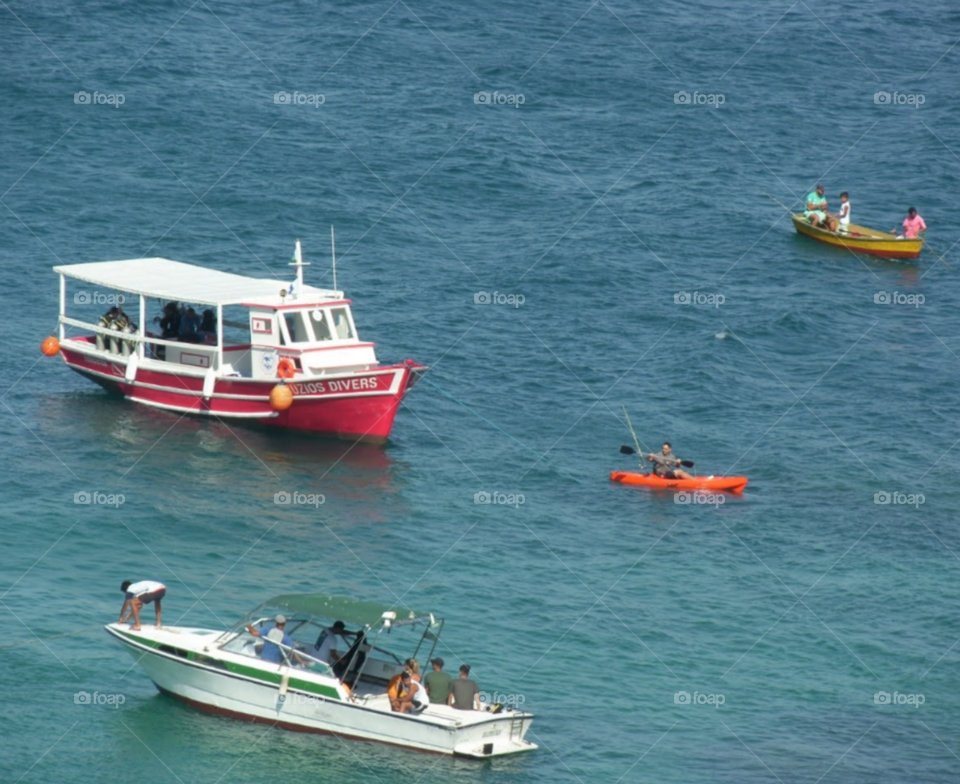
(281, 398)
(50, 346)
(286, 368)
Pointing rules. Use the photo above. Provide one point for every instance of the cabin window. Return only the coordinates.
(341, 322)
(297, 327)
(320, 327)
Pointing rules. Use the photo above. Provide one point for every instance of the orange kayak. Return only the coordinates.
(730, 484)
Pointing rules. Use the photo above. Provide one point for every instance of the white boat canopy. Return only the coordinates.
(174, 280)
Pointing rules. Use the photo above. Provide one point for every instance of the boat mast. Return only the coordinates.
(299, 264)
(333, 253)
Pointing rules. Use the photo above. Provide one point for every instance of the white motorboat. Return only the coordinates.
(223, 672)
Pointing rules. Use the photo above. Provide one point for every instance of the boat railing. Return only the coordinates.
(118, 337)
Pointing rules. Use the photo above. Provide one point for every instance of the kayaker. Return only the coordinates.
(913, 224)
(816, 210)
(843, 217)
(665, 464)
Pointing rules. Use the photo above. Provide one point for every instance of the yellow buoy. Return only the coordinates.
(50, 346)
(281, 398)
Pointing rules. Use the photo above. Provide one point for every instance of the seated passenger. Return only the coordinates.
(190, 331)
(665, 464)
(273, 639)
(208, 326)
(170, 323)
(815, 210)
(400, 691)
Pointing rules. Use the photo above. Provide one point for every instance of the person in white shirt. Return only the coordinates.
(138, 594)
(326, 647)
(844, 215)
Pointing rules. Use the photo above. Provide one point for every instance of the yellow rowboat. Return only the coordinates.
(860, 239)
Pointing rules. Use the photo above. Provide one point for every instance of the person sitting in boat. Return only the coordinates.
(190, 331)
(665, 464)
(327, 642)
(273, 639)
(913, 224)
(843, 217)
(170, 322)
(816, 210)
(208, 326)
(400, 692)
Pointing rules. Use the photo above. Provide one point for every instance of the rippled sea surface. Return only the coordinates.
(598, 200)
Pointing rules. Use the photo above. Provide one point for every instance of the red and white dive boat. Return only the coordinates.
(268, 351)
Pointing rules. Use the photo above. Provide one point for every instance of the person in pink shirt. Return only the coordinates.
(913, 224)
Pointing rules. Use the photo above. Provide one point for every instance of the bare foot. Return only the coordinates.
(134, 628)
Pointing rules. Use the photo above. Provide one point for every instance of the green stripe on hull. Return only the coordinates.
(274, 678)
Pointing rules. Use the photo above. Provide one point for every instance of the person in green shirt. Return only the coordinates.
(437, 683)
(815, 210)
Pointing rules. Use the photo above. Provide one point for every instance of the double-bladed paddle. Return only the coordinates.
(629, 450)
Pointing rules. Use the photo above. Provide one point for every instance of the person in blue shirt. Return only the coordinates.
(271, 651)
(190, 331)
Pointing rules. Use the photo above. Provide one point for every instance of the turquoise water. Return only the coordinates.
(598, 603)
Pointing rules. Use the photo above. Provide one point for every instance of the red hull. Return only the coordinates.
(359, 406)
(730, 484)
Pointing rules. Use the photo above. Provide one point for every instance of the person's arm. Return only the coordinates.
(126, 606)
(476, 700)
(252, 631)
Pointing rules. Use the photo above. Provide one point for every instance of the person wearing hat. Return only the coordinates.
(326, 646)
(464, 693)
(273, 639)
(815, 210)
(437, 683)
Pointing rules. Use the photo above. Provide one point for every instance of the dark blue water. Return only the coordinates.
(599, 199)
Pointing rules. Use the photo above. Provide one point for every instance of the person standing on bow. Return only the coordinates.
(138, 594)
(665, 464)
